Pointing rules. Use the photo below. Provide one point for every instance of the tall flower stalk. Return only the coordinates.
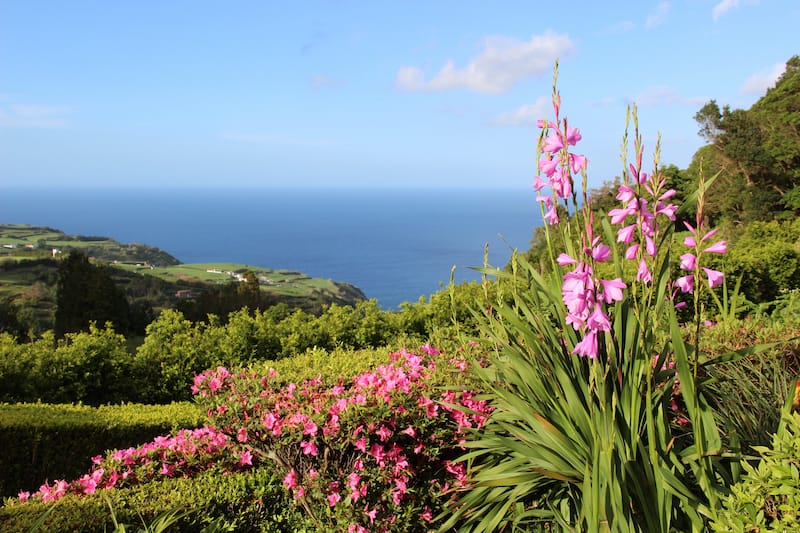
(589, 364)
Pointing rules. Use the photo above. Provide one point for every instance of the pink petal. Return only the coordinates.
(563, 259)
(718, 247)
(715, 277)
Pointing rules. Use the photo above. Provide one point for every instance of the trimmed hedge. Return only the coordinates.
(244, 502)
(43, 441)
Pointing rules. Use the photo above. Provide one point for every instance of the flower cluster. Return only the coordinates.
(644, 197)
(188, 452)
(689, 260)
(584, 293)
(373, 453)
(557, 163)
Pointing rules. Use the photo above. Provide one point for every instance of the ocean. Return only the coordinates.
(394, 244)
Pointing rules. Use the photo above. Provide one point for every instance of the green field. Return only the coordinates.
(29, 273)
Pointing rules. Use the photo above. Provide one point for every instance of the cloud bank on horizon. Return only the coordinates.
(361, 95)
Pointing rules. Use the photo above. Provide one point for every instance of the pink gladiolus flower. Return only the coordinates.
(547, 165)
(688, 262)
(717, 248)
(685, 283)
(630, 253)
(601, 253)
(588, 346)
(643, 274)
(619, 215)
(650, 246)
(573, 136)
(553, 143)
(625, 234)
(598, 321)
(612, 289)
(577, 162)
(715, 277)
(563, 260)
(689, 242)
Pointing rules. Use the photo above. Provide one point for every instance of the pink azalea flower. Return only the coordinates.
(426, 514)
(241, 435)
(309, 448)
(290, 480)
(246, 458)
(23, 496)
(334, 498)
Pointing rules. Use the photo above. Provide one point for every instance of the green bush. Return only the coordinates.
(322, 364)
(41, 441)
(768, 496)
(253, 501)
(92, 367)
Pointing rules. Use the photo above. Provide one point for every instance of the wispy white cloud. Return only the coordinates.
(759, 82)
(657, 17)
(724, 6)
(605, 101)
(274, 139)
(14, 115)
(527, 114)
(321, 81)
(623, 26)
(663, 95)
(503, 62)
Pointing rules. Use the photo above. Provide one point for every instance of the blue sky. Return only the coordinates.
(367, 94)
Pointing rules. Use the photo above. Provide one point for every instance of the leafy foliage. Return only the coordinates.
(768, 496)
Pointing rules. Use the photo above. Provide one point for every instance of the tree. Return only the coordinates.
(86, 293)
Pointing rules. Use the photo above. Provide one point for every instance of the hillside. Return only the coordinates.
(150, 278)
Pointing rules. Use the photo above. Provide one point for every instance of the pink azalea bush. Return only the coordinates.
(185, 454)
(373, 454)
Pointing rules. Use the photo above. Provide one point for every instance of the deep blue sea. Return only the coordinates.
(395, 245)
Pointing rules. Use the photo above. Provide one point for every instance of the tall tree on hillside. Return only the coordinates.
(86, 293)
(757, 151)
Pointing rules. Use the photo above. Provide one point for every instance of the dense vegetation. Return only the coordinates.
(579, 400)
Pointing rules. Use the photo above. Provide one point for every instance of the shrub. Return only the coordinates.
(371, 453)
(41, 441)
(252, 501)
(767, 498)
